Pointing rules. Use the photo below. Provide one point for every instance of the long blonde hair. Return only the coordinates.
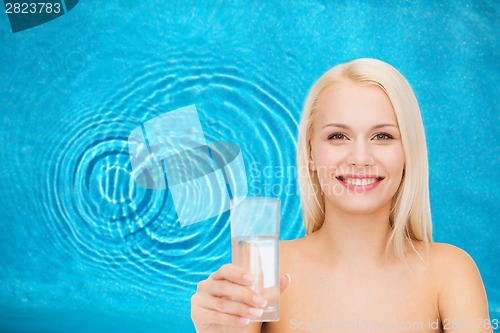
(410, 212)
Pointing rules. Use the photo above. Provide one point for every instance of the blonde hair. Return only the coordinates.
(410, 217)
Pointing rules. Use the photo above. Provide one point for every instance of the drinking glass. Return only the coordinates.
(255, 228)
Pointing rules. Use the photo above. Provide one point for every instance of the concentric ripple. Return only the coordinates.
(92, 202)
(92, 193)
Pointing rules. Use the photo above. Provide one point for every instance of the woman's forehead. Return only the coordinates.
(354, 103)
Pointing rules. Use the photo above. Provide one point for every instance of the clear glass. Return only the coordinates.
(255, 247)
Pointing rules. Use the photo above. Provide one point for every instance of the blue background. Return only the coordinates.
(85, 250)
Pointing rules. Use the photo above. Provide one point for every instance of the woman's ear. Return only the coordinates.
(312, 165)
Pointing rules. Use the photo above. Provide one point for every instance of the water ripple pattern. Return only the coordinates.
(122, 230)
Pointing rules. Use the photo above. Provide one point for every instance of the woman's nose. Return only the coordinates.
(360, 155)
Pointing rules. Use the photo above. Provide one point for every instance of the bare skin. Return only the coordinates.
(341, 279)
(342, 296)
(336, 295)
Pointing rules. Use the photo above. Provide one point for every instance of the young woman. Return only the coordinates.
(367, 263)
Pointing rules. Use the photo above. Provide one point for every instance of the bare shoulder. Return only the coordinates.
(294, 254)
(290, 245)
(448, 263)
(294, 247)
(460, 288)
(443, 251)
(446, 259)
(290, 248)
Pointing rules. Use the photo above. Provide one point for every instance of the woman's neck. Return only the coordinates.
(354, 239)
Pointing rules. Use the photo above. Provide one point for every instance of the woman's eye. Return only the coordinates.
(336, 136)
(383, 136)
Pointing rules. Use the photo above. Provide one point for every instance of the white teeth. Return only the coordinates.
(360, 181)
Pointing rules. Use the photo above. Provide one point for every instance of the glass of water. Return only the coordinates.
(255, 228)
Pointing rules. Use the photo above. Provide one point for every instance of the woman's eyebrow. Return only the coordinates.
(336, 125)
(384, 125)
(347, 127)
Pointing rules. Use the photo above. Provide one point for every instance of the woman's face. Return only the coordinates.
(356, 148)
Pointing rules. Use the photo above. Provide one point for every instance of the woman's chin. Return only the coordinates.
(360, 206)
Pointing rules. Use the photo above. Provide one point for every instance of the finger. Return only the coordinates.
(234, 274)
(220, 318)
(235, 292)
(284, 282)
(230, 307)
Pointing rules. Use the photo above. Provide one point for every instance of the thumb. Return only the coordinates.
(284, 281)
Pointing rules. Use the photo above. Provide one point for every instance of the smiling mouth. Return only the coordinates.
(359, 181)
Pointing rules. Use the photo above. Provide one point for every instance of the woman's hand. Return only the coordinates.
(224, 303)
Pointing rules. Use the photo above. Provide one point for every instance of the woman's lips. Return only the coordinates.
(359, 183)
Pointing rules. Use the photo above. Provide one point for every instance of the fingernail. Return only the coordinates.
(289, 277)
(245, 321)
(259, 300)
(256, 312)
(249, 278)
